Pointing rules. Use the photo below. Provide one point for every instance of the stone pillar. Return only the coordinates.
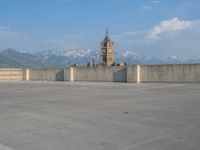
(27, 74)
(72, 74)
(138, 74)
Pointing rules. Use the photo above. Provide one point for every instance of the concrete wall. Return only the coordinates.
(170, 73)
(132, 74)
(185, 73)
(105, 74)
(67, 74)
(46, 74)
(10, 74)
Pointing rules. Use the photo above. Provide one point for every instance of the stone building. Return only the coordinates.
(107, 52)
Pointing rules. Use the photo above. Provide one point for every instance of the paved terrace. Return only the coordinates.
(99, 116)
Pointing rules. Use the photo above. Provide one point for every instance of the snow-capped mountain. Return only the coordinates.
(68, 53)
(69, 57)
(66, 58)
(84, 56)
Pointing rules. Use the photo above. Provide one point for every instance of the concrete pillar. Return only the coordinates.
(71, 74)
(27, 74)
(138, 74)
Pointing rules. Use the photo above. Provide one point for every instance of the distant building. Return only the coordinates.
(107, 52)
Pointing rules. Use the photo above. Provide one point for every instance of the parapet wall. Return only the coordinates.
(10, 74)
(46, 74)
(185, 73)
(105, 74)
(170, 73)
(132, 74)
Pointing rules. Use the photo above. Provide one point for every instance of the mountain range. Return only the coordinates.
(60, 59)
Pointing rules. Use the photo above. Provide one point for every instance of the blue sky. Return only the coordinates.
(149, 27)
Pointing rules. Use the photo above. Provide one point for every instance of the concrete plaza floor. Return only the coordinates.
(99, 116)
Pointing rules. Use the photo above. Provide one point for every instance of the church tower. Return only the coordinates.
(107, 52)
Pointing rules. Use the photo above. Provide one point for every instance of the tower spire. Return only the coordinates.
(106, 31)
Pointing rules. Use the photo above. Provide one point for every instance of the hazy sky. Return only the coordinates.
(149, 27)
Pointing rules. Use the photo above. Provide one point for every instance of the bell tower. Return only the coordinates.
(107, 51)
